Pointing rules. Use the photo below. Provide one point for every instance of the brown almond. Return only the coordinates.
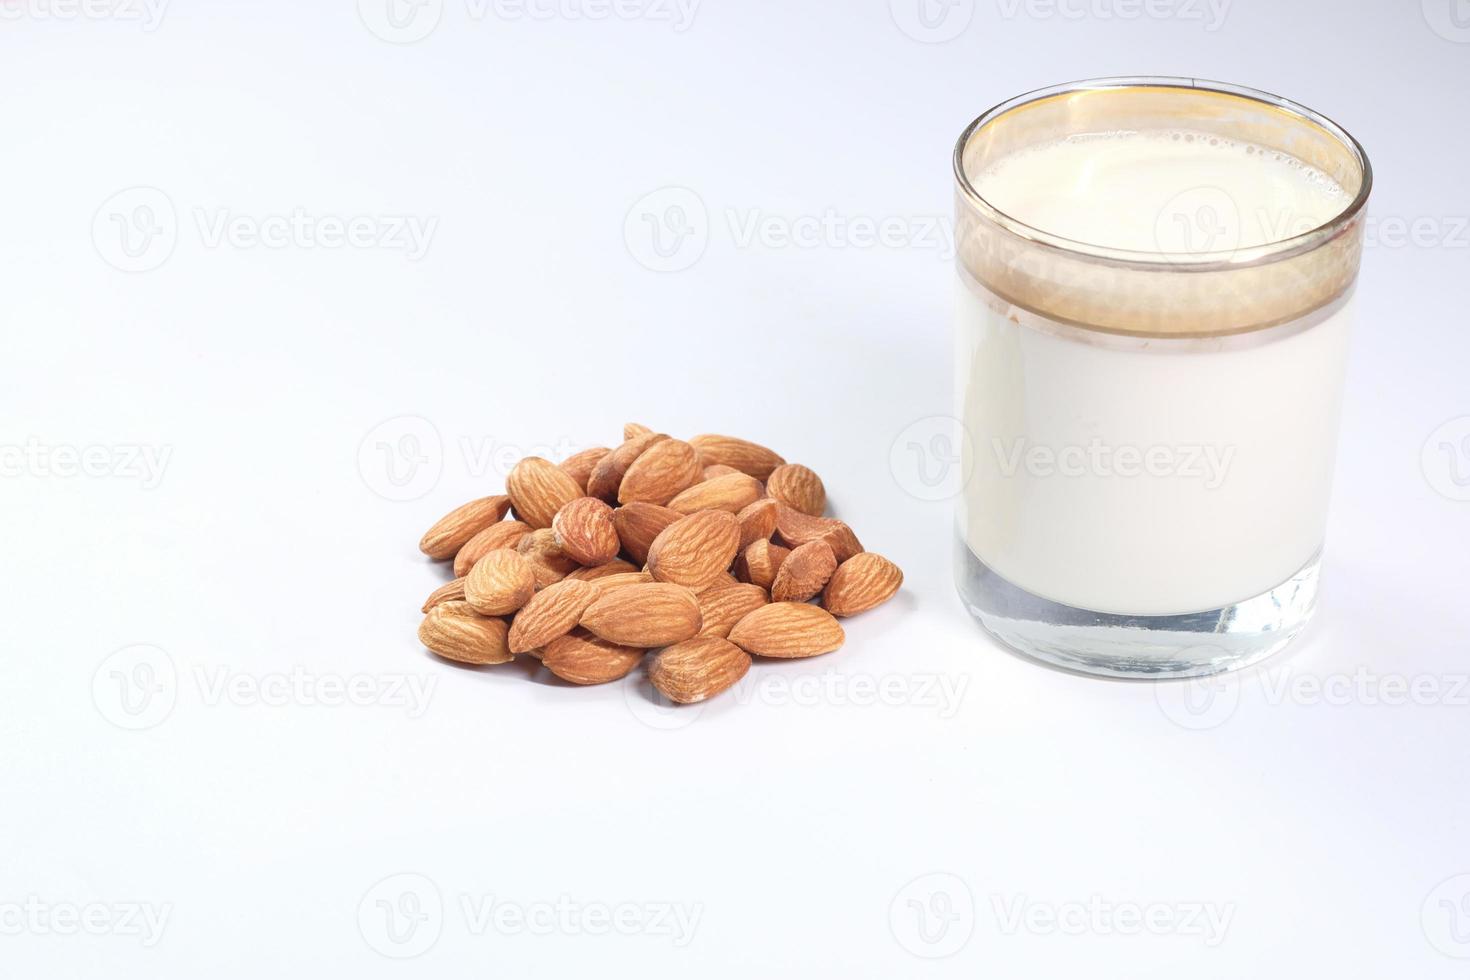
(695, 550)
(743, 455)
(552, 612)
(860, 583)
(787, 630)
(797, 486)
(583, 658)
(760, 563)
(579, 466)
(592, 573)
(732, 492)
(804, 572)
(502, 534)
(448, 592)
(456, 632)
(501, 582)
(660, 472)
(718, 469)
(698, 669)
(651, 615)
(551, 564)
(539, 488)
(451, 531)
(723, 606)
(638, 524)
(795, 529)
(584, 530)
(632, 430)
(609, 582)
(757, 521)
(607, 475)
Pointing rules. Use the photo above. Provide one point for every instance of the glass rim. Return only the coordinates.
(1202, 261)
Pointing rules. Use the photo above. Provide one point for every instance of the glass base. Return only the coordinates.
(1146, 647)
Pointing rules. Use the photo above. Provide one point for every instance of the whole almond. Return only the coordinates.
(723, 606)
(592, 573)
(502, 534)
(698, 669)
(584, 530)
(582, 658)
(860, 583)
(797, 486)
(552, 612)
(550, 563)
(501, 582)
(757, 521)
(760, 563)
(804, 572)
(787, 630)
(660, 472)
(609, 582)
(651, 615)
(638, 524)
(452, 530)
(718, 469)
(732, 492)
(579, 466)
(448, 592)
(456, 632)
(539, 488)
(632, 430)
(795, 529)
(695, 550)
(743, 455)
(607, 475)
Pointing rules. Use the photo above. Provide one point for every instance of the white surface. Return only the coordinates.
(1329, 826)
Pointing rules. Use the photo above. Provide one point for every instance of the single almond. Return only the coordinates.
(550, 563)
(732, 492)
(795, 529)
(592, 573)
(501, 582)
(787, 630)
(760, 563)
(720, 581)
(651, 615)
(804, 572)
(584, 530)
(743, 455)
(860, 583)
(757, 521)
(609, 582)
(638, 524)
(552, 612)
(695, 550)
(718, 469)
(632, 430)
(456, 632)
(448, 592)
(660, 472)
(607, 475)
(452, 530)
(723, 606)
(579, 466)
(539, 488)
(698, 669)
(797, 486)
(583, 658)
(502, 534)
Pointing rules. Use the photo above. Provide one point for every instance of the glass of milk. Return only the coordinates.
(1156, 280)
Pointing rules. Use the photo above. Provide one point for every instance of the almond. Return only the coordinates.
(552, 612)
(549, 562)
(503, 534)
(582, 658)
(795, 529)
(584, 530)
(723, 606)
(632, 430)
(609, 582)
(651, 615)
(660, 472)
(760, 563)
(797, 486)
(804, 572)
(860, 583)
(607, 475)
(743, 455)
(593, 573)
(638, 524)
(539, 488)
(757, 521)
(787, 629)
(501, 582)
(695, 550)
(698, 669)
(579, 466)
(449, 591)
(452, 530)
(456, 632)
(732, 492)
(718, 469)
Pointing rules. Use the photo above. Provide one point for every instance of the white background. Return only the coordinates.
(317, 407)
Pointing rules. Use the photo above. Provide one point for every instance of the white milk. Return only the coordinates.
(1150, 476)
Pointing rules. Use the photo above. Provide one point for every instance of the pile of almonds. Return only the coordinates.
(708, 551)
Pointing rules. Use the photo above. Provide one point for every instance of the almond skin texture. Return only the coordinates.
(550, 563)
(551, 613)
(638, 524)
(718, 469)
(743, 455)
(787, 630)
(501, 582)
(593, 573)
(795, 529)
(451, 531)
(732, 492)
(723, 606)
(503, 534)
(804, 572)
(760, 563)
(799, 487)
(660, 472)
(582, 658)
(456, 632)
(694, 551)
(632, 430)
(651, 615)
(698, 669)
(448, 592)
(860, 583)
(584, 531)
(579, 466)
(608, 582)
(607, 475)
(538, 489)
(758, 521)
